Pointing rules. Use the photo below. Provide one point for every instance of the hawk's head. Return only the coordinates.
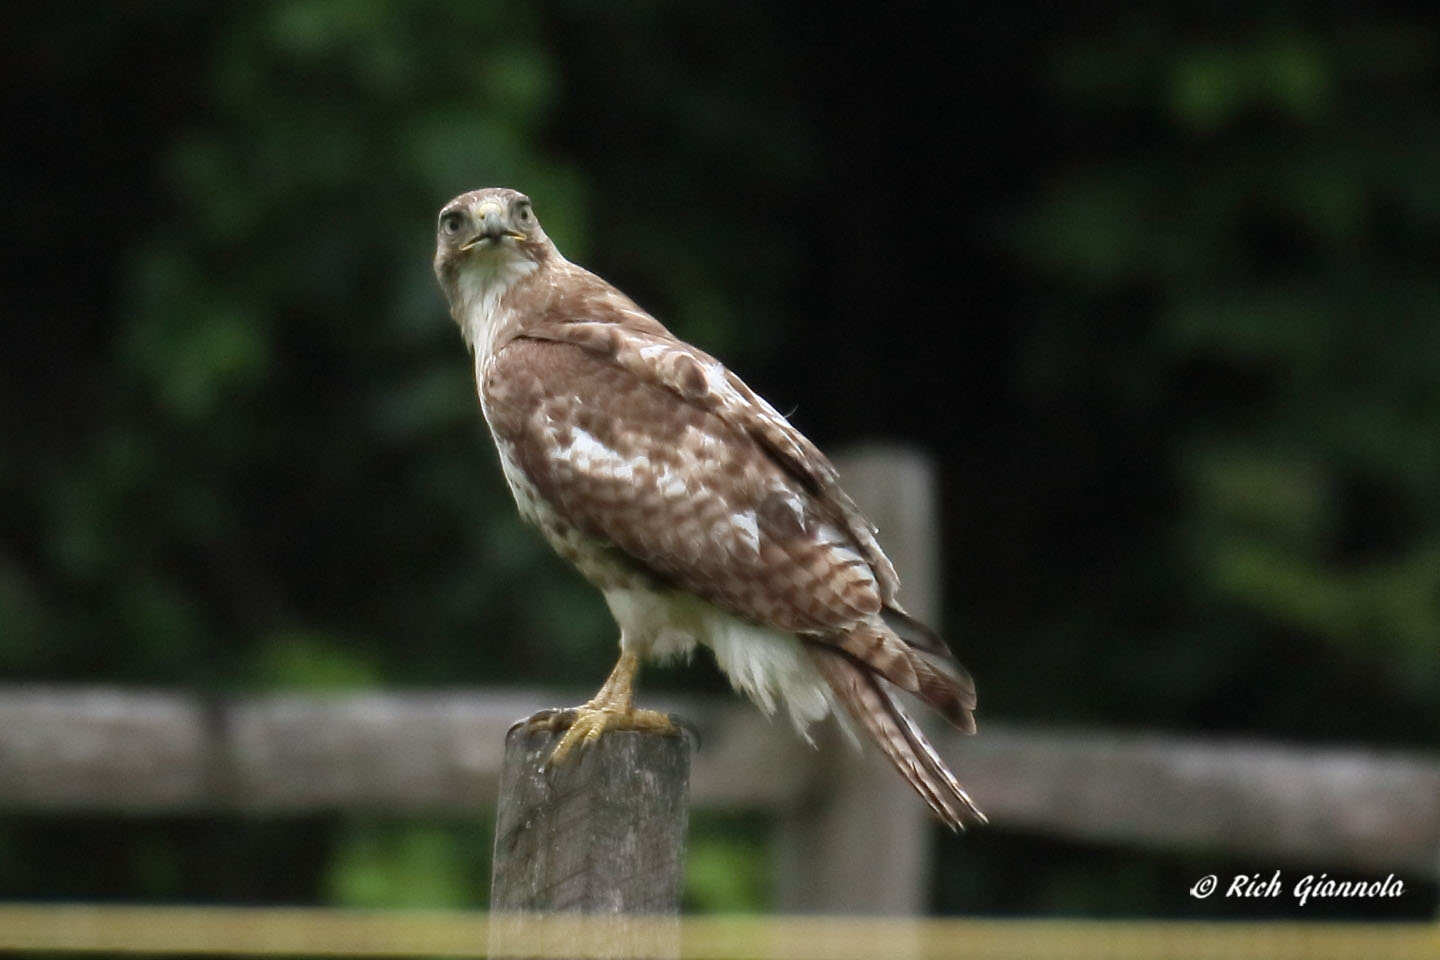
(484, 241)
(487, 226)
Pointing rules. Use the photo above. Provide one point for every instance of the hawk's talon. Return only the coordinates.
(553, 719)
(585, 725)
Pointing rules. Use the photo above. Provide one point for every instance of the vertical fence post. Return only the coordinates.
(883, 865)
(602, 833)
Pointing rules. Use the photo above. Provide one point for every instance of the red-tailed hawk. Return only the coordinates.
(696, 508)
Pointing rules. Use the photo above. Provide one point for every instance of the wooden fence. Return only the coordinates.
(110, 750)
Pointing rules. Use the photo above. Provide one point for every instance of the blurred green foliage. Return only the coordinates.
(1270, 233)
(418, 865)
(1157, 286)
(724, 869)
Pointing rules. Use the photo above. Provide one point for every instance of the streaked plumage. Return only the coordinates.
(702, 515)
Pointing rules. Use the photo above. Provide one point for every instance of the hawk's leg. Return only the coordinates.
(613, 708)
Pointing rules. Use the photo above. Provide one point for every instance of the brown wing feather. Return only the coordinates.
(654, 355)
(678, 490)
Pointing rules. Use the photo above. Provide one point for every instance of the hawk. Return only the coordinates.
(698, 511)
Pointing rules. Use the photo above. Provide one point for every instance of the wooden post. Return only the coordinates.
(602, 833)
(883, 865)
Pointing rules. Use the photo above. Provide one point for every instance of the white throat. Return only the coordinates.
(481, 285)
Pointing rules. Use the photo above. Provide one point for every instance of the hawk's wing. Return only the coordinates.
(636, 448)
(651, 445)
(652, 355)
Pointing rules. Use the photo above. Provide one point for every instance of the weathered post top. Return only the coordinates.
(601, 833)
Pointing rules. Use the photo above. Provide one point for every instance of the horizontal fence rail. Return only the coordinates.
(125, 751)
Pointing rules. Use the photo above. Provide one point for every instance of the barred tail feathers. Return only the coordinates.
(911, 656)
(860, 686)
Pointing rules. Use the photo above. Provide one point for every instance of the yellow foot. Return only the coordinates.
(584, 725)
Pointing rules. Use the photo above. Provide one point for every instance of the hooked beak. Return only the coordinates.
(492, 228)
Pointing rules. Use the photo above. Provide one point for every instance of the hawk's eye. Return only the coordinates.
(452, 222)
(523, 214)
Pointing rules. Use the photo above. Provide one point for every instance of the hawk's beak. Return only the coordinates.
(492, 227)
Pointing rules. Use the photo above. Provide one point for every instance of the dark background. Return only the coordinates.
(1155, 284)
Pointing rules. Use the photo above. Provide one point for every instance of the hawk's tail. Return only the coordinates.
(910, 655)
(859, 683)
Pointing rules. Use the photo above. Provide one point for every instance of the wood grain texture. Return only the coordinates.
(602, 833)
